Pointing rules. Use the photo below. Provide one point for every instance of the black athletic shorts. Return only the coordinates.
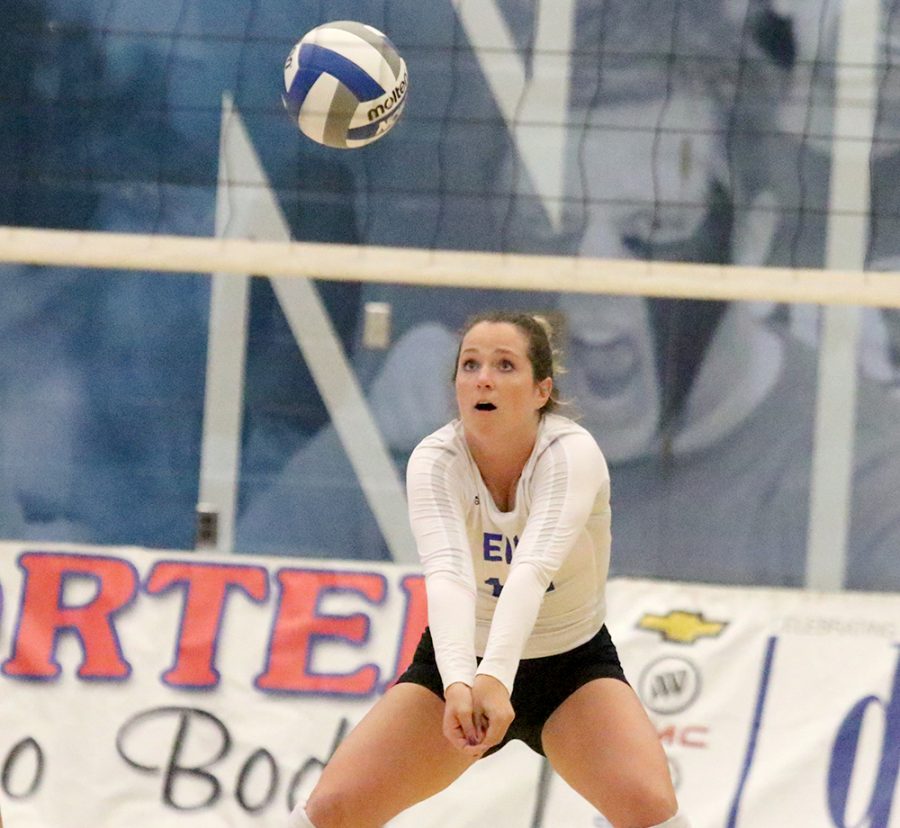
(542, 684)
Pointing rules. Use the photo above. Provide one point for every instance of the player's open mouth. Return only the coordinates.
(485, 406)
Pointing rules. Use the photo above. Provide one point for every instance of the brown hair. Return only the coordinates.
(541, 353)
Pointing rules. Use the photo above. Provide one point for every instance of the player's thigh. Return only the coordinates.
(602, 743)
(395, 757)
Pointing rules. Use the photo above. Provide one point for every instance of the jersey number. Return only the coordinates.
(495, 584)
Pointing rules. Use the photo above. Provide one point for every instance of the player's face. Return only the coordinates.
(496, 391)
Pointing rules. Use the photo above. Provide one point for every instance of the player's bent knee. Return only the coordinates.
(677, 821)
(298, 817)
(649, 803)
(333, 809)
(325, 810)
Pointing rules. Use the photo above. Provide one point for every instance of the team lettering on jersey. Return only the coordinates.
(497, 548)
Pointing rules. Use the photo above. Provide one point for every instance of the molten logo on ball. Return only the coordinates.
(345, 84)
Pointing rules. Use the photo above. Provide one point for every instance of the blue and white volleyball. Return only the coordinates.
(345, 84)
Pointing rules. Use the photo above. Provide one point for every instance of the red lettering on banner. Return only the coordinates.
(667, 735)
(692, 736)
(299, 626)
(43, 615)
(414, 622)
(206, 587)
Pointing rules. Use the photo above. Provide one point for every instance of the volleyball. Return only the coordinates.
(345, 84)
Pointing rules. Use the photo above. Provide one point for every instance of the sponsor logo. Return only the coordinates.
(393, 99)
(669, 685)
(849, 760)
(821, 625)
(681, 626)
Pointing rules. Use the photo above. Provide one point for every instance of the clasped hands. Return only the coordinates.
(476, 718)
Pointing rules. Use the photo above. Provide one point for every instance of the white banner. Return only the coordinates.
(186, 689)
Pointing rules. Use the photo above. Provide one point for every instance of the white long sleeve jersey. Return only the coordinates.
(526, 583)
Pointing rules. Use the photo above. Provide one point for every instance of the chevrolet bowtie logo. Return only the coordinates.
(681, 627)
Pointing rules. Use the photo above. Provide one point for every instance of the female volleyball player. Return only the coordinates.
(509, 506)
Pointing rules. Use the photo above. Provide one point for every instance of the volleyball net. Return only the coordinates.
(729, 162)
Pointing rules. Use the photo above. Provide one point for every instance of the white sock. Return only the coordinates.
(299, 819)
(677, 821)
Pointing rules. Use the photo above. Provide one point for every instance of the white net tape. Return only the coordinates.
(447, 268)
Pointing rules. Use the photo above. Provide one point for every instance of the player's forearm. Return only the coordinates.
(514, 618)
(451, 618)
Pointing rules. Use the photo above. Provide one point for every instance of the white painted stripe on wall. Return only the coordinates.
(220, 453)
(250, 209)
(846, 240)
(543, 97)
(350, 415)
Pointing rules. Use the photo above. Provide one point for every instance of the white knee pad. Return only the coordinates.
(677, 821)
(298, 817)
